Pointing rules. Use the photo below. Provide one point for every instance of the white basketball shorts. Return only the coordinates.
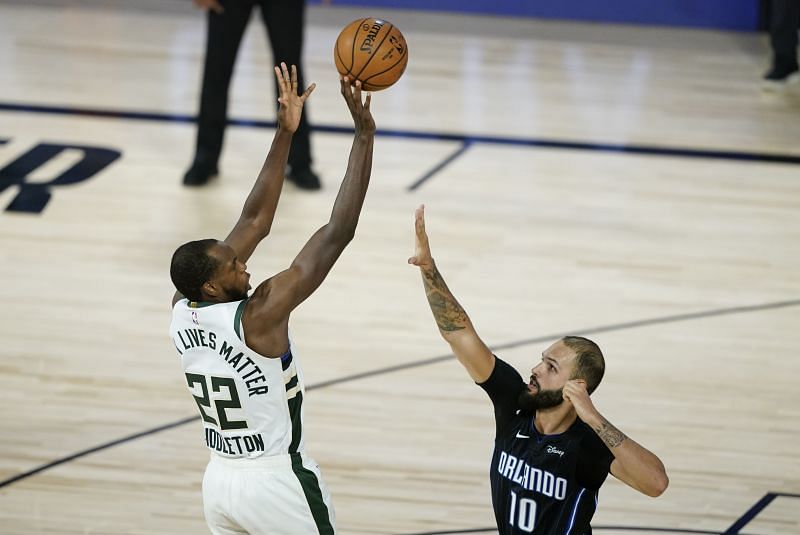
(275, 495)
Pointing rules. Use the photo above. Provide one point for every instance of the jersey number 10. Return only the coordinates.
(525, 518)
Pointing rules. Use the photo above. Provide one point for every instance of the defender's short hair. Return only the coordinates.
(192, 267)
(589, 362)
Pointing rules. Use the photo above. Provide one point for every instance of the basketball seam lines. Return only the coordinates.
(353, 51)
(376, 49)
(376, 87)
(388, 69)
(338, 55)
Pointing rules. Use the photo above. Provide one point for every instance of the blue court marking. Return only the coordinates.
(447, 161)
(465, 139)
(755, 510)
(97, 112)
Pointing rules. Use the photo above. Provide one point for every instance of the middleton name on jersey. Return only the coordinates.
(250, 405)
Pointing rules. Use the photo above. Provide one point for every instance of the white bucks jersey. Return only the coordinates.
(250, 405)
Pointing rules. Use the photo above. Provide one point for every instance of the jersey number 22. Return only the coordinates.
(203, 402)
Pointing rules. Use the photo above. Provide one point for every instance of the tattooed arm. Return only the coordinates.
(454, 324)
(633, 464)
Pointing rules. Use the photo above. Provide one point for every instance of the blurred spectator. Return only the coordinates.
(227, 20)
(784, 21)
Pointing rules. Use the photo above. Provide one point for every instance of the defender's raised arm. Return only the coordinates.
(454, 324)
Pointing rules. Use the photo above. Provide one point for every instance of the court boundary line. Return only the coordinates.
(734, 529)
(424, 362)
(594, 528)
(465, 145)
(753, 512)
(413, 134)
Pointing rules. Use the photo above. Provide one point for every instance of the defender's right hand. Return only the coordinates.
(362, 117)
(212, 5)
(422, 250)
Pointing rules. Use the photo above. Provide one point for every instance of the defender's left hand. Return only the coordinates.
(291, 103)
(575, 393)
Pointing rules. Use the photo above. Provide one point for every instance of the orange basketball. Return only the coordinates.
(372, 51)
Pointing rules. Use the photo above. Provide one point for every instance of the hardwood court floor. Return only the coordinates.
(684, 268)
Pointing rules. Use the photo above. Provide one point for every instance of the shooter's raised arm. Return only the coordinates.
(273, 300)
(259, 209)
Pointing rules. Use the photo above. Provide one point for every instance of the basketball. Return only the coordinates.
(372, 51)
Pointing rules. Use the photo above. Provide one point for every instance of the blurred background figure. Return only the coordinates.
(783, 25)
(227, 20)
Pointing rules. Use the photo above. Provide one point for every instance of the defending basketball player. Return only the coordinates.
(553, 448)
(235, 350)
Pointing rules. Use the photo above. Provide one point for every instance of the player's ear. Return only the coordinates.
(210, 289)
(580, 381)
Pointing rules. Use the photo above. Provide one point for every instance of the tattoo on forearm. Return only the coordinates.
(609, 434)
(448, 313)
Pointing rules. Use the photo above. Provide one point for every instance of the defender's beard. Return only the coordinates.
(543, 399)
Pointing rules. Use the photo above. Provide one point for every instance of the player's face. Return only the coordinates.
(231, 276)
(548, 378)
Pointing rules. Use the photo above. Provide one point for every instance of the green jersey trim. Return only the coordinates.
(295, 405)
(237, 319)
(308, 480)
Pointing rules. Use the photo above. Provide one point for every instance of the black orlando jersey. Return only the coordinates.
(541, 484)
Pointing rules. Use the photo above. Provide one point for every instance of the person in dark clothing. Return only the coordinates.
(227, 19)
(553, 448)
(784, 22)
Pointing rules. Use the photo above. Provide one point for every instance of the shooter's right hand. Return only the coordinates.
(362, 117)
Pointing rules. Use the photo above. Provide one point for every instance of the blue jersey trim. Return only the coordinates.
(286, 359)
(574, 512)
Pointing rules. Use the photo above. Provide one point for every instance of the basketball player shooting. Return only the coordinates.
(553, 448)
(236, 352)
